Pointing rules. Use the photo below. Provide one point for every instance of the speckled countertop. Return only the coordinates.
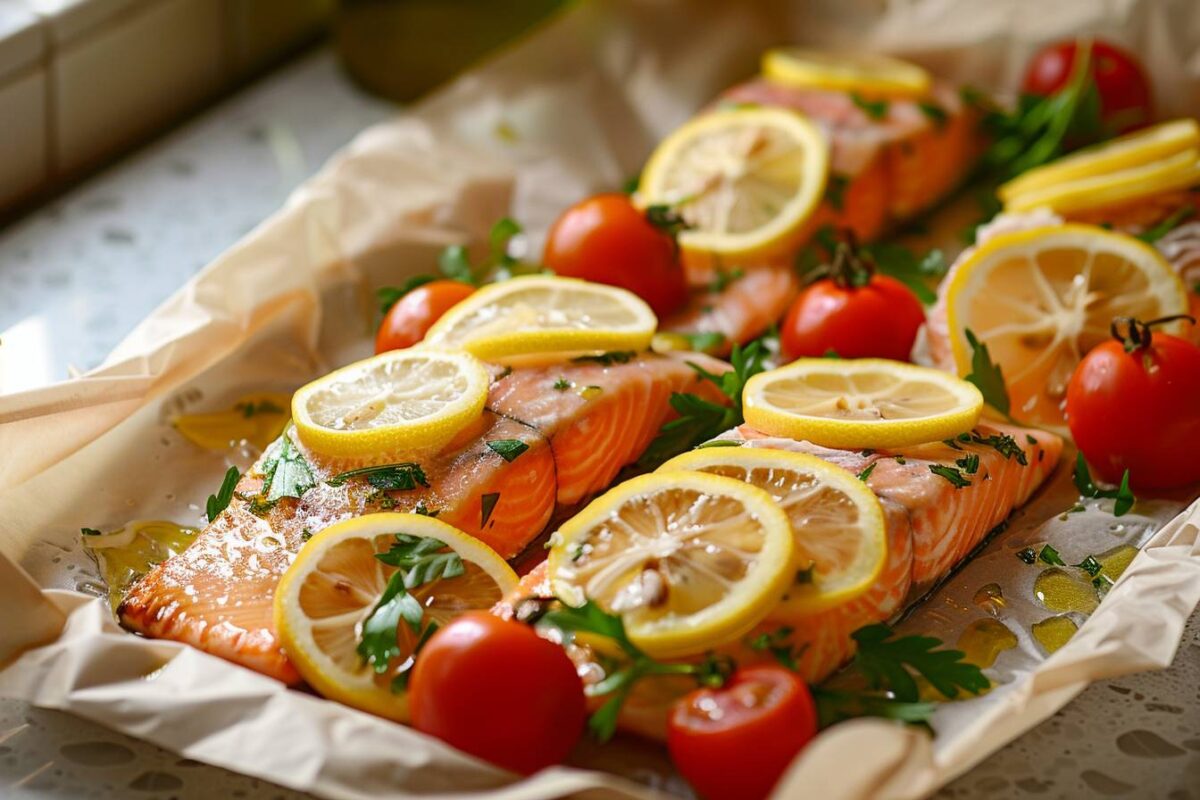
(77, 275)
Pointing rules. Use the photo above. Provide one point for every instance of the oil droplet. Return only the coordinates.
(990, 598)
(125, 555)
(1053, 632)
(1113, 563)
(1060, 590)
(257, 418)
(984, 640)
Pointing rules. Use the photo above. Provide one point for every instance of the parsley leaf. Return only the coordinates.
(725, 277)
(388, 296)
(287, 472)
(866, 473)
(1050, 556)
(508, 449)
(561, 385)
(834, 706)
(779, 644)
(91, 532)
(423, 559)
(487, 504)
(704, 341)
(401, 477)
(987, 376)
(455, 263)
(935, 113)
(379, 642)
(875, 109)
(667, 220)
(951, 474)
(1088, 488)
(968, 463)
(905, 266)
(220, 501)
(887, 662)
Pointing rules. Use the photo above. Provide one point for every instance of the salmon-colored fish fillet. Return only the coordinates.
(931, 527)
(217, 594)
(745, 308)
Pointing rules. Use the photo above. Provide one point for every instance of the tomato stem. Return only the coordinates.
(850, 266)
(1137, 333)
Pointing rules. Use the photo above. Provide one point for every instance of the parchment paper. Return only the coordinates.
(573, 109)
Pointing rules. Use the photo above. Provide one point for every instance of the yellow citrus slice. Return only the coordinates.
(866, 402)
(538, 314)
(404, 400)
(1179, 171)
(688, 560)
(1137, 149)
(837, 524)
(338, 597)
(257, 418)
(1040, 299)
(868, 73)
(744, 179)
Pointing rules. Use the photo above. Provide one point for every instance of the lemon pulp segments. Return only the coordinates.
(837, 524)
(539, 314)
(862, 72)
(689, 560)
(335, 583)
(866, 402)
(404, 400)
(744, 179)
(1042, 298)
(1132, 150)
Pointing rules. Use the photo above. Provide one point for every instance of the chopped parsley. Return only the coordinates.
(1003, 444)
(508, 449)
(91, 532)
(400, 477)
(875, 109)
(1028, 555)
(987, 376)
(1123, 495)
(667, 220)
(936, 114)
(562, 384)
(835, 190)
(425, 511)
(249, 410)
(1049, 555)
(423, 559)
(379, 640)
(220, 501)
(607, 359)
(1091, 566)
(487, 504)
(779, 644)
(968, 463)
(455, 263)
(725, 277)
(388, 296)
(831, 353)
(901, 460)
(913, 270)
(951, 474)
(704, 341)
(866, 473)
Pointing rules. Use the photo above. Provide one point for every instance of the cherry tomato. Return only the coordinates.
(410, 318)
(495, 689)
(735, 742)
(1139, 410)
(1125, 96)
(606, 239)
(877, 320)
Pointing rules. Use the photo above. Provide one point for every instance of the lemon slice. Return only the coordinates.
(837, 524)
(256, 418)
(336, 582)
(866, 402)
(537, 314)
(1040, 299)
(403, 400)
(862, 72)
(1132, 150)
(744, 179)
(688, 560)
(1179, 171)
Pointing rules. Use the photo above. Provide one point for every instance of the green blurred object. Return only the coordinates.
(400, 49)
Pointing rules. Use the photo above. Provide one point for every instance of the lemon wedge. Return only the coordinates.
(400, 401)
(1137, 149)
(745, 180)
(538, 314)
(1040, 299)
(868, 73)
(336, 593)
(688, 560)
(257, 418)
(1179, 171)
(837, 523)
(866, 402)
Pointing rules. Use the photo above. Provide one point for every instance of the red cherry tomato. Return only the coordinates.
(735, 742)
(1139, 410)
(495, 689)
(606, 239)
(410, 318)
(878, 320)
(1125, 96)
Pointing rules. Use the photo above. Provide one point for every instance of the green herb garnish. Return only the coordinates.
(1028, 555)
(936, 114)
(875, 109)
(1167, 225)
(835, 190)
(487, 504)
(725, 277)
(423, 559)
(968, 463)
(866, 473)
(220, 501)
(906, 266)
(607, 359)
(561, 385)
(1049, 555)
(286, 471)
(779, 644)
(455, 263)
(951, 474)
(887, 662)
(388, 296)
(987, 376)
(94, 532)
(704, 341)
(400, 477)
(1091, 566)
(1123, 495)
(379, 642)
(508, 449)
(668, 220)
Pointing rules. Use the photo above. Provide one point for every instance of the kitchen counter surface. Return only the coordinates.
(78, 274)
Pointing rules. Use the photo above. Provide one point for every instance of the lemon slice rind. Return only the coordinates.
(863, 72)
(809, 511)
(741, 604)
(824, 401)
(1178, 171)
(359, 688)
(537, 314)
